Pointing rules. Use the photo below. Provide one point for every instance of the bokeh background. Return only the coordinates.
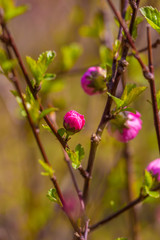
(25, 211)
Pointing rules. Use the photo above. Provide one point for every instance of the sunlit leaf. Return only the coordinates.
(152, 15)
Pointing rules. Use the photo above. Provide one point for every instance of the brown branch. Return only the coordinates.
(152, 87)
(154, 45)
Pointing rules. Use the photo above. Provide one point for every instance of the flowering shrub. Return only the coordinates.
(119, 116)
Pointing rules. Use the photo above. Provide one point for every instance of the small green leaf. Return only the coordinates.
(45, 59)
(10, 10)
(131, 92)
(61, 131)
(148, 179)
(53, 196)
(38, 68)
(6, 64)
(118, 101)
(48, 169)
(152, 15)
(79, 150)
(153, 194)
(76, 156)
(49, 76)
(116, 46)
(35, 70)
(70, 54)
(106, 55)
(47, 111)
(158, 100)
(14, 12)
(47, 127)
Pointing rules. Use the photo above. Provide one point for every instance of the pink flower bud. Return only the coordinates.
(128, 127)
(94, 81)
(154, 168)
(73, 121)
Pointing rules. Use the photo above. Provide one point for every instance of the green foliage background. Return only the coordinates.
(25, 211)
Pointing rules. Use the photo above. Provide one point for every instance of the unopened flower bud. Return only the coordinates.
(125, 127)
(94, 80)
(154, 168)
(73, 121)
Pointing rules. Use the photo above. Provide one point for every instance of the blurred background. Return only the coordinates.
(25, 211)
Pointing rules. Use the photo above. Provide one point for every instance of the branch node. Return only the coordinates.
(122, 66)
(133, 4)
(148, 75)
(96, 139)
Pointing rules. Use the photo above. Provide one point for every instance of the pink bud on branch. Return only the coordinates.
(94, 80)
(154, 168)
(73, 121)
(126, 127)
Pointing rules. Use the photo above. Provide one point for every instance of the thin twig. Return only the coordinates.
(154, 45)
(153, 88)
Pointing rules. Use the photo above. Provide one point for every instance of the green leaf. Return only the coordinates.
(49, 76)
(117, 101)
(79, 150)
(148, 179)
(53, 196)
(152, 15)
(38, 68)
(153, 194)
(131, 92)
(6, 64)
(61, 131)
(106, 55)
(158, 100)
(14, 12)
(45, 59)
(76, 156)
(70, 54)
(48, 169)
(35, 70)
(47, 127)
(10, 10)
(47, 111)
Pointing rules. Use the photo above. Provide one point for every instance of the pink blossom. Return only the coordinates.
(129, 129)
(93, 80)
(73, 121)
(154, 168)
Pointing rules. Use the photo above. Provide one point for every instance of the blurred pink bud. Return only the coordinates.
(94, 80)
(154, 168)
(73, 121)
(72, 205)
(127, 130)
